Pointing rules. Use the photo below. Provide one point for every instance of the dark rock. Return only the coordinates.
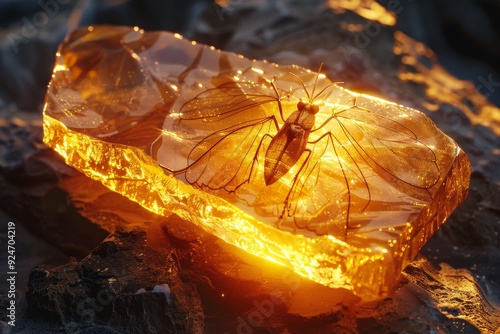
(30, 251)
(31, 179)
(122, 285)
(19, 139)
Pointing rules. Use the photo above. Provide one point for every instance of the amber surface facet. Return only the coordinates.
(182, 128)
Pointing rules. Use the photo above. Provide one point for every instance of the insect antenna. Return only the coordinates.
(303, 85)
(314, 97)
(311, 97)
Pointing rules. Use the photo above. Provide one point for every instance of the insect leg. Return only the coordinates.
(286, 205)
(359, 173)
(346, 180)
(255, 159)
(300, 175)
(335, 115)
(279, 103)
(350, 172)
(256, 156)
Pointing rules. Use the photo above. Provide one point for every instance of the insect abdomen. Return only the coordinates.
(284, 151)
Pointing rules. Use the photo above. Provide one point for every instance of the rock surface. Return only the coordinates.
(123, 285)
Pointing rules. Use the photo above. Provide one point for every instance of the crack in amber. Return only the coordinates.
(125, 107)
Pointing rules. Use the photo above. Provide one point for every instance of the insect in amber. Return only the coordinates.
(262, 141)
(356, 205)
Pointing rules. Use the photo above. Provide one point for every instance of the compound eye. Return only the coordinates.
(314, 108)
(301, 105)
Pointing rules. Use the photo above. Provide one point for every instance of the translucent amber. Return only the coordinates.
(341, 187)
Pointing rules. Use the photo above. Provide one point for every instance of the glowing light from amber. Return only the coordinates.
(369, 9)
(126, 106)
(420, 65)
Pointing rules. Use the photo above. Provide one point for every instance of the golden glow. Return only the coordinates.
(369, 9)
(442, 88)
(361, 245)
(58, 68)
(223, 3)
(458, 294)
(257, 70)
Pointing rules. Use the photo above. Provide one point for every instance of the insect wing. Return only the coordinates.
(330, 185)
(225, 159)
(347, 152)
(234, 122)
(385, 138)
(231, 103)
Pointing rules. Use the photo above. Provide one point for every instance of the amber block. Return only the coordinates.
(341, 187)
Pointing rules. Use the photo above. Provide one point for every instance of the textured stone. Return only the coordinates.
(122, 285)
